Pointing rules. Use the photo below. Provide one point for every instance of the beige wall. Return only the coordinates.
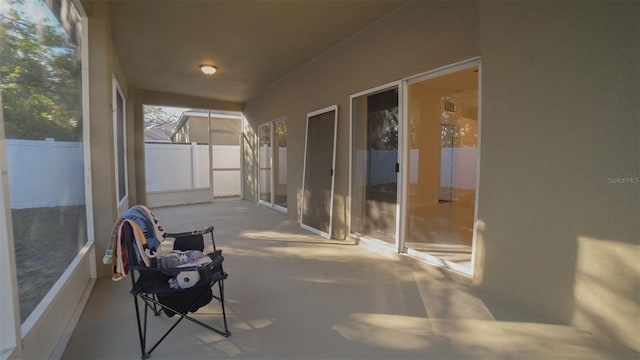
(559, 118)
(138, 193)
(378, 55)
(198, 129)
(101, 70)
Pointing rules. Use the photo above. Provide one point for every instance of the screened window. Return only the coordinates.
(41, 98)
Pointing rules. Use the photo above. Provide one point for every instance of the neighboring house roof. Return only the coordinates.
(160, 133)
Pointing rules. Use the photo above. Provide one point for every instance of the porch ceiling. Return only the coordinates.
(253, 43)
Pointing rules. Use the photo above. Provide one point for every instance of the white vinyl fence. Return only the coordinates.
(457, 166)
(45, 173)
(172, 167)
(265, 162)
(226, 170)
(176, 166)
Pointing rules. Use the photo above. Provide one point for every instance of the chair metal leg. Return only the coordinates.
(151, 301)
(142, 336)
(224, 314)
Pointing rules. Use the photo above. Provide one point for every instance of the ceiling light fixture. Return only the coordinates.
(208, 69)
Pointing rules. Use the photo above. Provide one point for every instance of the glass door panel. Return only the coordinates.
(443, 159)
(264, 163)
(280, 164)
(374, 184)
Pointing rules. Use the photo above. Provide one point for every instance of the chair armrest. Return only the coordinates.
(206, 230)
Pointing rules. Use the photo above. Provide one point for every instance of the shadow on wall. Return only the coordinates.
(606, 288)
(339, 231)
(590, 283)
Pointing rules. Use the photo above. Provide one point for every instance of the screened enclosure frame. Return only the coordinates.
(211, 151)
(77, 279)
(328, 109)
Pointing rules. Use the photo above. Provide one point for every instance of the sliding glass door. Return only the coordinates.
(374, 164)
(264, 163)
(443, 160)
(414, 165)
(272, 162)
(280, 164)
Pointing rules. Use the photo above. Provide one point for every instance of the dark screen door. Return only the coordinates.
(317, 189)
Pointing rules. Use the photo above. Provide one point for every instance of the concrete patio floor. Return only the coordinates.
(294, 295)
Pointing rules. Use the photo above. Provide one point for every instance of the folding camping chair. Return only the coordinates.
(152, 285)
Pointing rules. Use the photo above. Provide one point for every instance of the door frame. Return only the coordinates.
(403, 159)
(122, 204)
(431, 259)
(401, 141)
(228, 115)
(333, 167)
(269, 126)
(275, 158)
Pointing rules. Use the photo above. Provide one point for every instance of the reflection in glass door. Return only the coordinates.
(374, 164)
(280, 164)
(442, 166)
(272, 162)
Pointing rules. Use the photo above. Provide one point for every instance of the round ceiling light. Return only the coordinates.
(208, 69)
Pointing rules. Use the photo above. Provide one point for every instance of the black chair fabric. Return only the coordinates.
(152, 285)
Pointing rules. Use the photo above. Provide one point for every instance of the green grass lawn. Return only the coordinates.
(46, 241)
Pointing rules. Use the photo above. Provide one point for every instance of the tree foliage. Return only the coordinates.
(40, 78)
(155, 116)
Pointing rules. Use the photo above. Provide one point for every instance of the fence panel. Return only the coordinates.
(226, 170)
(54, 175)
(172, 167)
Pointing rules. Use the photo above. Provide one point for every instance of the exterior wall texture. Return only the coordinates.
(560, 120)
(558, 200)
(392, 49)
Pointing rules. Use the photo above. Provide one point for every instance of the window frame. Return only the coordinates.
(16, 335)
(122, 202)
(325, 110)
(272, 124)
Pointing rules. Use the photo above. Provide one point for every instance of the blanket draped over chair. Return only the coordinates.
(148, 236)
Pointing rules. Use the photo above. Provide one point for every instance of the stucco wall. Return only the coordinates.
(101, 69)
(384, 52)
(559, 121)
